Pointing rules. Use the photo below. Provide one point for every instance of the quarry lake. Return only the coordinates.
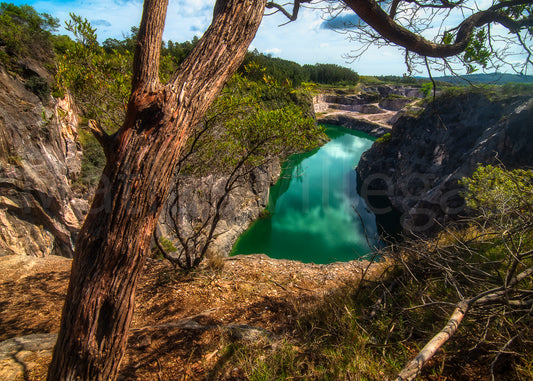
(310, 215)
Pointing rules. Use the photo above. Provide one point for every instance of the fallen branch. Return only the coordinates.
(496, 295)
(415, 366)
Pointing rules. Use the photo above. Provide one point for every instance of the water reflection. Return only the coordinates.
(312, 207)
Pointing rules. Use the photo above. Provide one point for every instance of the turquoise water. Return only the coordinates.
(311, 208)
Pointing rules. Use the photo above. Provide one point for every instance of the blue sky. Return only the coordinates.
(308, 40)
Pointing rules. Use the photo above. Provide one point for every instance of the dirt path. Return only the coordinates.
(181, 321)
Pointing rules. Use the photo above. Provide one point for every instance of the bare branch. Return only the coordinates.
(280, 8)
(414, 367)
(105, 140)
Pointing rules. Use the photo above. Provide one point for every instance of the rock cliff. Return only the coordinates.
(414, 174)
(373, 110)
(39, 158)
(243, 205)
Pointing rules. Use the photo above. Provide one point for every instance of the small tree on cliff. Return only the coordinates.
(249, 126)
(142, 155)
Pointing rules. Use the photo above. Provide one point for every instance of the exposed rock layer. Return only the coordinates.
(242, 206)
(416, 172)
(39, 157)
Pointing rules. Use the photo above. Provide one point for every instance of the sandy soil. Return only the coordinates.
(181, 321)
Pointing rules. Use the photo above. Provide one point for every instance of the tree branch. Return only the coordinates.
(371, 13)
(413, 368)
(105, 140)
(295, 9)
(167, 256)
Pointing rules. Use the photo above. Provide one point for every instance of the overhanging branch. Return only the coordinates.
(372, 14)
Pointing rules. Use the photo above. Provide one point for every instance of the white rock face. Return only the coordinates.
(39, 158)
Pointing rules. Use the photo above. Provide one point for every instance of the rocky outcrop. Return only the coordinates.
(414, 174)
(39, 158)
(242, 206)
(348, 121)
(394, 104)
(400, 90)
(372, 111)
(19, 354)
(354, 102)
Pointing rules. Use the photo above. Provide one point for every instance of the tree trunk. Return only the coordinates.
(141, 158)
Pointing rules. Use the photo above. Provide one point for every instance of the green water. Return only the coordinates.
(311, 208)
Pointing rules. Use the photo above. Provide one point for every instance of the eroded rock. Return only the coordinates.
(39, 158)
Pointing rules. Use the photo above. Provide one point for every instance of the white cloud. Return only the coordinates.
(273, 51)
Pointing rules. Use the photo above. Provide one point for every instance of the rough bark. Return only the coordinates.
(142, 155)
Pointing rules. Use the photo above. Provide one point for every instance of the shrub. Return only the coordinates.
(25, 32)
(384, 139)
(427, 89)
(496, 192)
(40, 87)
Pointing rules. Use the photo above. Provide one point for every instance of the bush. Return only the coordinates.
(384, 139)
(26, 33)
(40, 87)
(427, 89)
(495, 192)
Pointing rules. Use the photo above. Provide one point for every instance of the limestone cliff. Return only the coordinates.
(243, 206)
(414, 174)
(39, 158)
(371, 110)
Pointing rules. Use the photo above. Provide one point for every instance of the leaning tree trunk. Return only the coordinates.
(141, 158)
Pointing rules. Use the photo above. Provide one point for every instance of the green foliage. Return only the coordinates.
(427, 89)
(370, 80)
(516, 88)
(496, 192)
(100, 81)
(331, 74)
(178, 51)
(405, 79)
(476, 51)
(251, 123)
(25, 32)
(167, 245)
(384, 139)
(125, 46)
(291, 74)
(285, 72)
(83, 32)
